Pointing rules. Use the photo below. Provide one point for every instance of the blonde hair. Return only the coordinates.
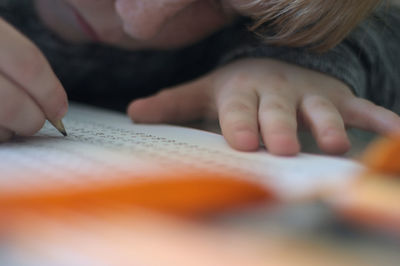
(317, 24)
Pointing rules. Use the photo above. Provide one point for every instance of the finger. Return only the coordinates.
(18, 112)
(365, 115)
(277, 117)
(237, 111)
(23, 63)
(5, 134)
(180, 104)
(326, 124)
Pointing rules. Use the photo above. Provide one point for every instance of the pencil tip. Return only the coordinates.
(59, 126)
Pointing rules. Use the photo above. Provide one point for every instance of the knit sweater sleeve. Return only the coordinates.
(368, 60)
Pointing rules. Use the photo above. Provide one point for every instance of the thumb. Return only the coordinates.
(183, 103)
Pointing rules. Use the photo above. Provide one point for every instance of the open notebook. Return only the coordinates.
(102, 141)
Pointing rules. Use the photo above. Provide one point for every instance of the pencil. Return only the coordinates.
(58, 124)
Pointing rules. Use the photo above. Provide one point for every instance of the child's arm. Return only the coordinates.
(267, 95)
(29, 90)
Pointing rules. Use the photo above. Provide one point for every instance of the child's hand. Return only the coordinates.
(29, 90)
(271, 98)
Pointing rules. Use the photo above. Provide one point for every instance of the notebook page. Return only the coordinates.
(101, 140)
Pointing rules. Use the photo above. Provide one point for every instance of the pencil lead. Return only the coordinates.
(59, 126)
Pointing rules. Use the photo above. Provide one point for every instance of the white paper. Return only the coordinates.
(100, 141)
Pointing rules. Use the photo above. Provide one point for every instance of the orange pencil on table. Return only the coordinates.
(383, 156)
(184, 193)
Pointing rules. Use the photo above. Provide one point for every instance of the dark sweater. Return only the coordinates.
(367, 60)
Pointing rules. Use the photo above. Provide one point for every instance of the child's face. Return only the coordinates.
(136, 24)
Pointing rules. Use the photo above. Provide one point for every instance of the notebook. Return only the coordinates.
(105, 146)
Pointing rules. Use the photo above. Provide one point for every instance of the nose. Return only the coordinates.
(143, 19)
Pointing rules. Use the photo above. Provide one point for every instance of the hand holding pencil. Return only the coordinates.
(30, 92)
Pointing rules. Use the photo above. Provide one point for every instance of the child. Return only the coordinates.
(168, 42)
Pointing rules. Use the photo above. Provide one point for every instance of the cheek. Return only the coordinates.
(192, 24)
(142, 19)
(158, 24)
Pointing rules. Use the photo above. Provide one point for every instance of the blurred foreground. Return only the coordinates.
(209, 221)
(302, 234)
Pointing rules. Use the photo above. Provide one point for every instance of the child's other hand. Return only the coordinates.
(29, 90)
(254, 97)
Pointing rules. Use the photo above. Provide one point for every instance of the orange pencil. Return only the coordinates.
(185, 193)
